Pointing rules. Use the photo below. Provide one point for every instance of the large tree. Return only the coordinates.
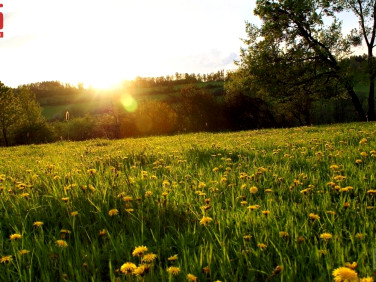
(298, 49)
(9, 110)
(365, 10)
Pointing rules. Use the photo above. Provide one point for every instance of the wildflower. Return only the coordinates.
(344, 274)
(6, 259)
(23, 252)
(129, 210)
(127, 198)
(313, 216)
(359, 236)
(102, 232)
(351, 265)
(15, 237)
(65, 199)
(173, 258)
(334, 167)
(149, 257)
(141, 269)
(283, 234)
(128, 268)
(139, 251)
(38, 223)
(364, 154)
(262, 246)
(74, 213)
(326, 236)
(247, 237)
(148, 193)
(206, 270)
(358, 161)
(268, 190)
(91, 171)
(371, 192)
(206, 220)
(243, 203)
(300, 239)
(173, 270)
(113, 212)
(265, 212)
(367, 279)
(346, 205)
(191, 277)
(331, 212)
(61, 243)
(253, 190)
(363, 141)
(253, 207)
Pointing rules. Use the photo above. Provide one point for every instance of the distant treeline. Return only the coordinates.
(187, 107)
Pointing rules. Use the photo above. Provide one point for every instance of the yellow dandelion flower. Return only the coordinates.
(128, 268)
(283, 234)
(65, 231)
(262, 246)
(149, 257)
(15, 237)
(358, 161)
(359, 236)
(344, 274)
(65, 199)
(371, 192)
(113, 212)
(61, 243)
(139, 251)
(265, 212)
(173, 258)
(102, 232)
(91, 171)
(326, 236)
(6, 259)
(23, 252)
(253, 190)
(268, 190)
(173, 270)
(74, 213)
(366, 279)
(148, 193)
(129, 210)
(206, 220)
(191, 277)
(206, 270)
(313, 216)
(38, 223)
(253, 207)
(127, 198)
(334, 167)
(141, 269)
(364, 154)
(363, 141)
(247, 237)
(351, 265)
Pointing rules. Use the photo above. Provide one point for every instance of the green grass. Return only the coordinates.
(173, 183)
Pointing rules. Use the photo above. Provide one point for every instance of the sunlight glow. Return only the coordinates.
(129, 103)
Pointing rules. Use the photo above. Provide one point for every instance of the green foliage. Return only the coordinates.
(212, 199)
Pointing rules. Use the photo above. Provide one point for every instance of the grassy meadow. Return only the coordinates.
(266, 205)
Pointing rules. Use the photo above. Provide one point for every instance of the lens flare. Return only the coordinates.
(129, 103)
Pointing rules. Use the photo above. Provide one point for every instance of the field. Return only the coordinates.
(267, 205)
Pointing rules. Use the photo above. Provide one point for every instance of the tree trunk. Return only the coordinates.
(355, 101)
(5, 137)
(371, 100)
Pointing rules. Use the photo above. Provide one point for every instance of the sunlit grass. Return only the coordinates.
(249, 206)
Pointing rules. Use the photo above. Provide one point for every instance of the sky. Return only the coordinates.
(102, 43)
